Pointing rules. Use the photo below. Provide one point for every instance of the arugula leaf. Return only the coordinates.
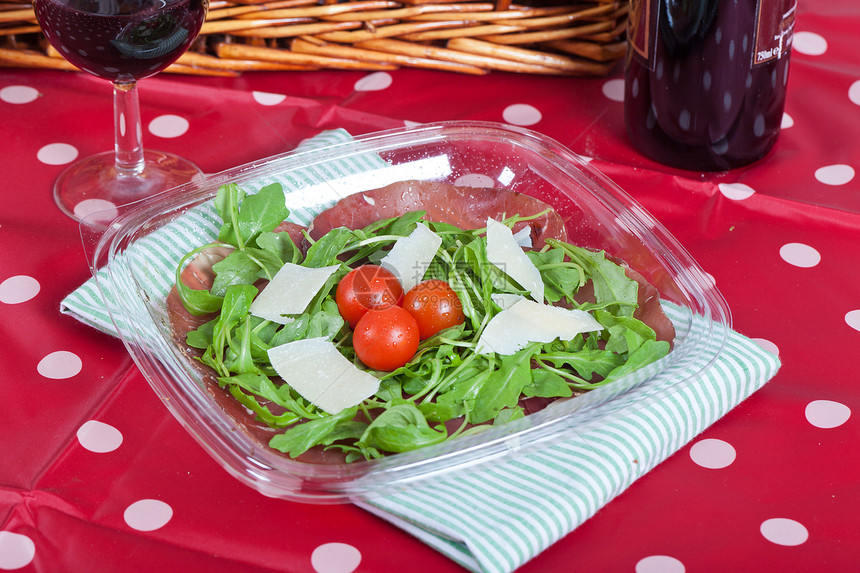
(325, 322)
(237, 268)
(240, 358)
(405, 224)
(509, 415)
(299, 439)
(401, 428)
(442, 411)
(202, 337)
(611, 284)
(505, 385)
(264, 414)
(227, 202)
(650, 351)
(261, 385)
(400, 225)
(626, 334)
(561, 278)
(325, 251)
(586, 362)
(196, 301)
(546, 384)
(237, 300)
(258, 213)
(281, 246)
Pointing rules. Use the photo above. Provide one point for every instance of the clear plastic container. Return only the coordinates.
(599, 215)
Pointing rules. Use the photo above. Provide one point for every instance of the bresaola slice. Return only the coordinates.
(463, 207)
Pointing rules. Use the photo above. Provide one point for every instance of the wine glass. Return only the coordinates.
(121, 41)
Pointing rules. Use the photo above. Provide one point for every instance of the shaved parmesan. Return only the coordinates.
(411, 255)
(315, 368)
(528, 321)
(290, 291)
(504, 252)
(505, 300)
(523, 237)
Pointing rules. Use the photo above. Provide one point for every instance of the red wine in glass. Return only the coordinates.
(121, 41)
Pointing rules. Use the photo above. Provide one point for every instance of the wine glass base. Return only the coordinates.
(93, 186)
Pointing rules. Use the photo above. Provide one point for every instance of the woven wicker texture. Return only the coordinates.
(568, 38)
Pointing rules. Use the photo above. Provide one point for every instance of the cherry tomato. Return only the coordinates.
(435, 306)
(386, 339)
(364, 288)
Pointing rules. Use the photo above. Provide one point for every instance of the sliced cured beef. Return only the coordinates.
(464, 207)
(294, 230)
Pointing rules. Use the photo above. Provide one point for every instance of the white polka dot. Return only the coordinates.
(521, 114)
(99, 437)
(799, 255)
(712, 454)
(18, 289)
(767, 345)
(852, 319)
(837, 174)
(18, 94)
(168, 126)
(784, 531)
(659, 564)
(99, 210)
(475, 180)
(57, 154)
(854, 92)
(809, 43)
(736, 191)
(374, 82)
(147, 514)
(335, 558)
(827, 414)
(16, 550)
(614, 90)
(59, 365)
(265, 98)
(787, 121)
(411, 124)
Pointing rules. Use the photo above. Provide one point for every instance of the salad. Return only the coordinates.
(427, 348)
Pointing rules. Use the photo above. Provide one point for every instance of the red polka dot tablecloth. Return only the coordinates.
(96, 475)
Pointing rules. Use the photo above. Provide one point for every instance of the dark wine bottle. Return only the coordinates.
(705, 80)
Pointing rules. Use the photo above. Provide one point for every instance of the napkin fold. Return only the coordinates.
(493, 518)
(497, 517)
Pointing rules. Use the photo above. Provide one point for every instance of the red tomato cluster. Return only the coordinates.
(387, 326)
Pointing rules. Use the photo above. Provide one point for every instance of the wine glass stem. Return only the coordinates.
(128, 142)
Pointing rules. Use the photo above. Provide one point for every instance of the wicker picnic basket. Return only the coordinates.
(562, 37)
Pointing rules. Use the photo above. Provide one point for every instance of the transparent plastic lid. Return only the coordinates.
(134, 260)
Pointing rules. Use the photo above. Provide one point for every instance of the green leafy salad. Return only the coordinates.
(452, 384)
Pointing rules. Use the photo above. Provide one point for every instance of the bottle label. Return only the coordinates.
(774, 29)
(642, 30)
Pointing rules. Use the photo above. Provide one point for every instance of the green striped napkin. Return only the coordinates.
(495, 518)
(489, 518)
